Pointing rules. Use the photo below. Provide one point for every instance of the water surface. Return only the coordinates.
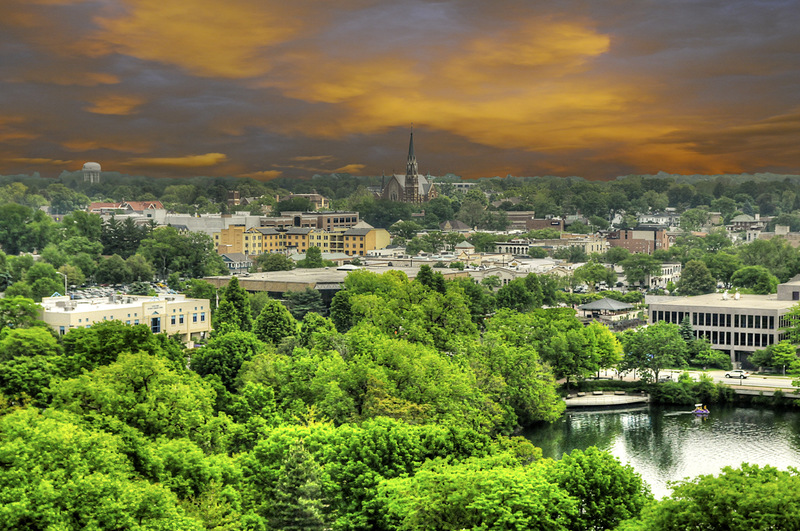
(669, 444)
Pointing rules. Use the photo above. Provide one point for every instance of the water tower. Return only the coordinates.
(91, 172)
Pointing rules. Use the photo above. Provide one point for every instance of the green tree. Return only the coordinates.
(274, 323)
(313, 259)
(653, 348)
(477, 494)
(113, 270)
(756, 278)
(696, 279)
(144, 392)
(19, 312)
(592, 273)
(299, 503)
(607, 491)
(638, 267)
(784, 356)
(274, 262)
(234, 307)
(224, 355)
(299, 303)
(615, 255)
(722, 266)
(139, 268)
(75, 276)
(59, 474)
(744, 499)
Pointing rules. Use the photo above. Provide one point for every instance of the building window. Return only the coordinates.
(155, 325)
(202, 317)
(61, 330)
(194, 317)
(136, 321)
(180, 319)
(172, 320)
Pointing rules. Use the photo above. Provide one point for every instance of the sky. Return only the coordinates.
(278, 88)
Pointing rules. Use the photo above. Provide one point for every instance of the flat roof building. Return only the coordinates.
(734, 323)
(189, 319)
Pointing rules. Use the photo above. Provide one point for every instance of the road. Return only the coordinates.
(751, 381)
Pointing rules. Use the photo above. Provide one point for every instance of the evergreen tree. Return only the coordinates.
(240, 301)
(299, 503)
(687, 332)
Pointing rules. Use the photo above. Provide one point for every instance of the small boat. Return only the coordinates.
(700, 409)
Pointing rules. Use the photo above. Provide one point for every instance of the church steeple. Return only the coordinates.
(411, 164)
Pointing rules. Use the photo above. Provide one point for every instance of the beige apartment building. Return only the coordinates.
(354, 241)
(190, 319)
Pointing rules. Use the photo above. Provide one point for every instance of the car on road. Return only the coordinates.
(737, 373)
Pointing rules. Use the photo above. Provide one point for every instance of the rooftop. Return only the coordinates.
(716, 301)
(64, 303)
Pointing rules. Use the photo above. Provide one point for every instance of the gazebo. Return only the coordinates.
(604, 307)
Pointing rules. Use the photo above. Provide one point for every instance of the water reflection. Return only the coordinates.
(666, 445)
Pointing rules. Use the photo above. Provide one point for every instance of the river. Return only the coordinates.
(669, 444)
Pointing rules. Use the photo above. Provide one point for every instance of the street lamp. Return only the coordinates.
(65, 282)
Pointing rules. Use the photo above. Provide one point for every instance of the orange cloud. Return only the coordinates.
(116, 104)
(355, 169)
(200, 36)
(40, 161)
(189, 161)
(265, 175)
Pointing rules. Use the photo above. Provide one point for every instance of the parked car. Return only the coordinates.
(737, 373)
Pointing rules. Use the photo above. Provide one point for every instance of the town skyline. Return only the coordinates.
(266, 90)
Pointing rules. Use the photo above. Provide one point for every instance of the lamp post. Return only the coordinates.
(65, 282)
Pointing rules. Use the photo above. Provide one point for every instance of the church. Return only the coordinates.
(411, 187)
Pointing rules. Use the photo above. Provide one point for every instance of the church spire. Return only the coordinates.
(411, 165)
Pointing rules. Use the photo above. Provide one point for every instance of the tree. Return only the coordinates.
(234, 307)
(60, 474)
(638, 267)
(224, 355)
(571, 253)
(756, 278)
(299, 503)
(144, 392)
(477, 494)
(19, 312)
(407, 229)
(313, 259)
(537, 252)
(113, 270)
(616, 255)
(743, 499)
(722, 266)
(592, 273)
(274, 262)
(653, 348)
(696, 279)
(784, 356)
(274, 323)
(75, 276)
(300, 303)
(607, 491)
(139, 268)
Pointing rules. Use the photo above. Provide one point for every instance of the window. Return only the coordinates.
(194, 317)
(136, 321)
(128, 322)
(61, 330)
(172, 320)
(155, 325)
(202, 317)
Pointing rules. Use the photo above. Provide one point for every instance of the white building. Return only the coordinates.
(190, 319)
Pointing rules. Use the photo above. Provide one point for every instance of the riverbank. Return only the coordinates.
(685, 390)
